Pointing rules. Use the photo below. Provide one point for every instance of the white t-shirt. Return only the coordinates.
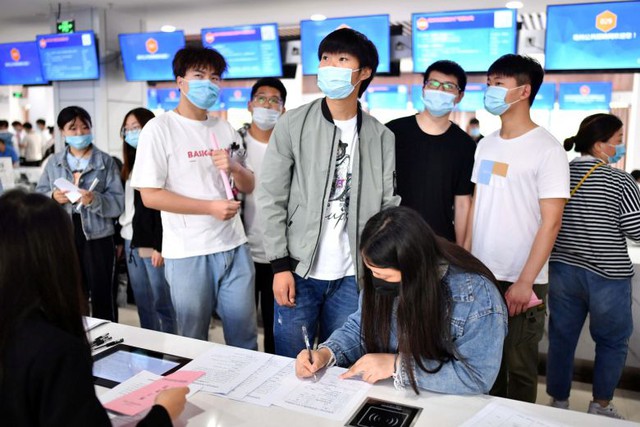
(174, 154)
(33, 149)
(333, 256)
(253, 226)
(126, 218)
(512, 175)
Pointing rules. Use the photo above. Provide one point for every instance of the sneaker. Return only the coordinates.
(607, 411)
(561, 404)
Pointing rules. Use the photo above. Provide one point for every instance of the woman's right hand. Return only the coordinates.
(306, 369)
(60, 196)
(173, 400)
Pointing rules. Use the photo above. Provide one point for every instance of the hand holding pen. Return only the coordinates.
(87, 196)
(305, 335)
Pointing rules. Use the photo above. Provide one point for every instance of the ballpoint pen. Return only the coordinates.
(305, 335)
(109, 344)
(101, 340)
(92, 187)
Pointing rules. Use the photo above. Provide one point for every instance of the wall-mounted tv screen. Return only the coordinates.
(20, 64)
(148, 56)
(72, 56)
(473, 99)
(472, 38)
(251, 51)
(375, 27)
(165, 99)
(389, 97)
(585, 96)
(546, 97)
(596, 36)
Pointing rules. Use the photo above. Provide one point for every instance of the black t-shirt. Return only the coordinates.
(431, 170)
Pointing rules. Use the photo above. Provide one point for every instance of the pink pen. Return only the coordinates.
(225, 178)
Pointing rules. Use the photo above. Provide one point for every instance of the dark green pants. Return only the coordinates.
(518, 375)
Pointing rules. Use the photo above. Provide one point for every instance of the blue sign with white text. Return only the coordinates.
(545, 98)
(473, 99)
(596, 36)
(585, 96)
(473, 38)
(165, 99)
(390, 97)
(251, 51)
(236, 97)
(20, 64)
(72, 56)
(148, 56)
(375, 27)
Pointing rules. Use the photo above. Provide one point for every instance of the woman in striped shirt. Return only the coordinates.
(590, 270)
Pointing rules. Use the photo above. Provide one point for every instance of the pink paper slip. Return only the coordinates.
(143, 398)
(534, 300)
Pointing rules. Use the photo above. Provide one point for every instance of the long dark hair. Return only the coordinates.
(399, 238)
(142, 115)
(595, 128)
(39, 270)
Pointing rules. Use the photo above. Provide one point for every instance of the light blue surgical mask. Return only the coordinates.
(621, 150)
(79, 142)
(437, 102)
(202, 93)
(265, 118)
(494, 100)
(131, 137)
(335, 82)
(474, 132)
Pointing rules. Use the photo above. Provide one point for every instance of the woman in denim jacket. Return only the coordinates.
(430, 315)
(93, 214)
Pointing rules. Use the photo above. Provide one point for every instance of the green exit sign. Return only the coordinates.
(66, 27)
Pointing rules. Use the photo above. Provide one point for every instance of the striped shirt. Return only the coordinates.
(604, 210)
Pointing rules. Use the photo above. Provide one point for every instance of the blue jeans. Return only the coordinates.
(319, 303)
(574, 292)
(151, 291)
(222, 282)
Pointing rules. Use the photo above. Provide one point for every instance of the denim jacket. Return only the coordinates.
(478, 329)
(108, 196)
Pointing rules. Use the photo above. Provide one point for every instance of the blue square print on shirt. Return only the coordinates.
(485, 171)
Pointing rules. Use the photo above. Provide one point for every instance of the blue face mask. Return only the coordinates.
(79, 142)
(474, 132)
(621, 150)
(494, 100)
(438, 103)
(202, 93)
(131, 138)
(335, 82)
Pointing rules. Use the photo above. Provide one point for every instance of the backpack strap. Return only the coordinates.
(584, 178)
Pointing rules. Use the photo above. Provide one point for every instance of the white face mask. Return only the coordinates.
(265, 118)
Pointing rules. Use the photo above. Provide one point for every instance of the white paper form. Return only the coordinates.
(330, 397)
(92, 323)
(226, 367)
(73, 192)
(499, 415)
(265, 374)
(281, 382)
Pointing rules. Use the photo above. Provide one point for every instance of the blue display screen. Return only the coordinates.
(375, 27)
(545, 98)
(148, 56)
(166, 99)
(390, 97)
(585, 96)
(20, 64)
(251, 51)
(416, 97)
(473, 99)
(474, 38)
(236, 97)
(71, 56)
(598, 36)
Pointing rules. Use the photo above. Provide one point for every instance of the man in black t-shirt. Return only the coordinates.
(434, 157)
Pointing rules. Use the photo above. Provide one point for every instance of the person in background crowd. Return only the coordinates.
(473, 129)
(434, 157)
(142, 234)
(19, 134)
(5, 135)
(8, 151)
(41, 126)
(430, 314)
(45, 358)
(328, 168)
(268, 96)
(522, 182)
(32, 146)
(590, 270)
(102, 200)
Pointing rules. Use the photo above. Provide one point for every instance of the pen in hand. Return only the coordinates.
(305, 335)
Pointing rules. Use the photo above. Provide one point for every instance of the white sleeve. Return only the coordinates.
(553, 175)
(151, 166)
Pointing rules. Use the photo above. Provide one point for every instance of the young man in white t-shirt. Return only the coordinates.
(268, 96)
(180, 161)
(522, 181)
(328, 168)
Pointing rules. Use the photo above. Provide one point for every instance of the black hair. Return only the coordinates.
(347, 40)
(635, 174)
(4, 124)
(41, 122)
(27, 125)
(595, 128)
(400, 238)
(524, 69)
(449, 68)
(474, 121)
(270, 82)
(128, 152)
(70, 114)
(16, 123)
(198, 57)
(39, 269)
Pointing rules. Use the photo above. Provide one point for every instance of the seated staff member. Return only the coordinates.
(430, 314)
(45, 359)
(81, 163)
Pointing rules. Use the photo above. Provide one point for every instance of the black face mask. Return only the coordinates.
(382, 287)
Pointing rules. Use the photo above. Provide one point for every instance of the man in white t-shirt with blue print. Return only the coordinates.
(179, 161)
(522, 181)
